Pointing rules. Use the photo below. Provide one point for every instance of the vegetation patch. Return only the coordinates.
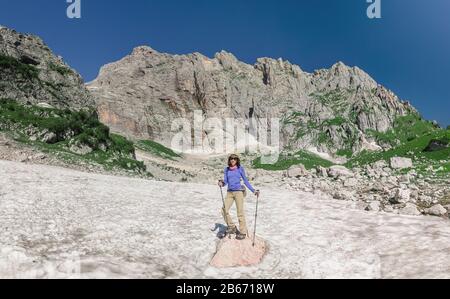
(414, 149)
(63, 70)
(406, 128)
(337, 100)
(11, 65)
(73, 135)
(157, 149)
(348, 153)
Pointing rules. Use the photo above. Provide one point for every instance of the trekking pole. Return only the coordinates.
(256, 216)
(223, 201)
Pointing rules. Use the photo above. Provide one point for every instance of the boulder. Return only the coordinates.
(81, 149)
(45, 105)
(338, 171)
(23, 158)
(344, 195)
(410, 209)
(374, 206)
(414, 195)
(436, 210)
(404, 179)
(350, 182)
(401, 196)
(40, 156)
(381, 164)
(322, 171)
(49, 138)
(401, 163)
(297, 171)
(426, 199)
(235, 253)
(324, 186)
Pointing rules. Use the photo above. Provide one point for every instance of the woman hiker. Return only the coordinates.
(236, 193)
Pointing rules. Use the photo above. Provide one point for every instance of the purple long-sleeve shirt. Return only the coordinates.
(232, 179)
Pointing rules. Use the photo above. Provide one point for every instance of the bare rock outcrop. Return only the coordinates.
(235, 253)
(330, 109)
(31, 73)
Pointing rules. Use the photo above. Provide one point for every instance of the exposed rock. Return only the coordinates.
(404, 178)
(374, 206)
(234, 253)
(44, 105)
(40, 156)
(81, 149)
(436, 210)
(391, 180)
(324, 186)
(426, 199)
(402, 196)
(344, 195)
(264, 176)
(409, 209)
(145, 91)
(23, 158)
(414, 194)
(351, 182)
(322, 171)
(296, 171)
(43, 78)
(401, 163)
(338, 171)
(49, 138)
(381, 164)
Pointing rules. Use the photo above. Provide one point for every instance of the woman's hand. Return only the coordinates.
(221, 183)
(257, 193)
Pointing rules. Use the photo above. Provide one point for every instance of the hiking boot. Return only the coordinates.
(231, 231)
(241, 236)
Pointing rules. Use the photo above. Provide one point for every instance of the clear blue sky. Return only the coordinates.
(408, 50)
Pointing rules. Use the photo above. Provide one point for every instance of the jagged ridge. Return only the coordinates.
(329, 110)
(31, 73)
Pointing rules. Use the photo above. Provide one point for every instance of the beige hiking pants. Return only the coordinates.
(237, 197)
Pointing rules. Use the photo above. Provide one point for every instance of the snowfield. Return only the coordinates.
(58, 223)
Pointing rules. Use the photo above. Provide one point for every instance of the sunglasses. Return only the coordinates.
(231, 159)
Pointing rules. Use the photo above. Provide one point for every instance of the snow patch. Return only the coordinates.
(131, 228)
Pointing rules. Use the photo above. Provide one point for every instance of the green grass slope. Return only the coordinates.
(70, 129)
(157, 149)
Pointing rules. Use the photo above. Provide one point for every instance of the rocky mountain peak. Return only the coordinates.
(339, 67)
(143, 51)
(329, 110)
(272, 68)
(341, 76)
(225, 55)
(31, 72)
(227, 60)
